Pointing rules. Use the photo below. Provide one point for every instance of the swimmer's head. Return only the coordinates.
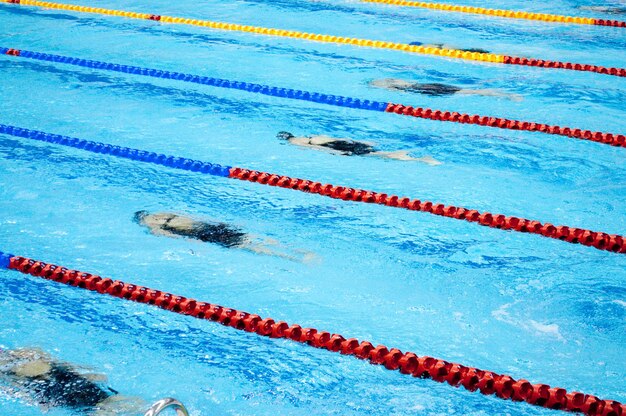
(5, 359)
(391, 83)
(139, 216)
(284, 135)
(31, 359)
(416, 43)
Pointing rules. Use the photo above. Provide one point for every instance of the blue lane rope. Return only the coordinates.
(336, 100)
(600, 240)
(118, 151)
(5, 259)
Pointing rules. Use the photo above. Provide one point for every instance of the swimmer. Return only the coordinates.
(604, 9)
(173, 225)
(437, 89)
(33, 375)
(446, 46)
(346, 147)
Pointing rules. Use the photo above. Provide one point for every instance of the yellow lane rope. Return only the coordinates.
(426, 50)
(448, 53)
(490, 12)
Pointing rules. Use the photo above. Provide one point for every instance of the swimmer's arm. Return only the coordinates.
(182, 223)
(304, 142)
(300, 141)
(322, 140)
(41, 366)
(163, 233)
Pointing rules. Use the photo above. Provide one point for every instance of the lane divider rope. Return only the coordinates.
(457, 375)
(601, 241)
(448, 53)
(335, 100)
(511, 14)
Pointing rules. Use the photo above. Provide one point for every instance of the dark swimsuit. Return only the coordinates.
(614, 10)
(62, 387)
(435, 90)
(217, 233)
(478, 50)
(349, 148)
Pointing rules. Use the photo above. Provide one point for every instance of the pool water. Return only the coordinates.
(532, 307)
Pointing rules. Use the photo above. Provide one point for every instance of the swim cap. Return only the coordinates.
(139, 216)
(284, 135)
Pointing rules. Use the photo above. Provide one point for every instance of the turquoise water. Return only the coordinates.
(532, 307)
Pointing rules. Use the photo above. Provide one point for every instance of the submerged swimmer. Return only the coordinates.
(173, 225)
(346, 147)
(605, 9)
(35, 376)
(446, 46)
(436, 89)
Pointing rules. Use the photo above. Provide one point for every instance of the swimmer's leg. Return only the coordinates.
(259, 247)
(604, 9)
(96, 378)
(121, 405)
(404, 155)
(492, 93)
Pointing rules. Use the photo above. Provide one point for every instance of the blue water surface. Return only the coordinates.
(532, 307)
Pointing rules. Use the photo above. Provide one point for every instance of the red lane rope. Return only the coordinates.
(472, 379)
(335, 100)
(316, 37)
(503, 123)
(599, 240)
(605, 22)
(542, 63)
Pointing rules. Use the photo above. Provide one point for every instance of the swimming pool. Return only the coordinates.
(533, 307)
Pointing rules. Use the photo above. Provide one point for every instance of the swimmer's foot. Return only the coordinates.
(429, 160)
(308, 257)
